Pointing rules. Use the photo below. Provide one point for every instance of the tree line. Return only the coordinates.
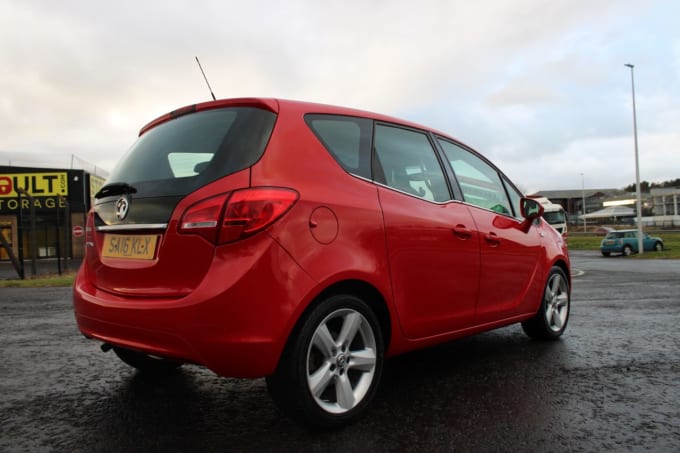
(646, 186)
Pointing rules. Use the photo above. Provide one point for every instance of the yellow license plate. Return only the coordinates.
(137, 247)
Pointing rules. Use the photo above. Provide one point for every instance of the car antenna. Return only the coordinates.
(206, 79)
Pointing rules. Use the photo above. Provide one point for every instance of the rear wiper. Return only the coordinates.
(115, 188)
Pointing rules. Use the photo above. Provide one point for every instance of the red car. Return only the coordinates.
(305, 243)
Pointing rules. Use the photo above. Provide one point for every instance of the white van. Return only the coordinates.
(554, 214)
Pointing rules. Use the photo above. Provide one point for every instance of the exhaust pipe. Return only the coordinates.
(106, 347)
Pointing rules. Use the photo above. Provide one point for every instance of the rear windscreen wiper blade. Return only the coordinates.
(115, 188)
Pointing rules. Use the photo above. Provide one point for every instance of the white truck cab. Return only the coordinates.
(554, 214)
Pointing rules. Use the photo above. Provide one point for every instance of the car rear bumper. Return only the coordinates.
(235, 322)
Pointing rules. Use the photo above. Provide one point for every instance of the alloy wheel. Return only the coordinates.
(556, 302)
(341, 361)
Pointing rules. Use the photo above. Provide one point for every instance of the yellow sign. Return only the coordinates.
(96, 183)
(36, 184)
(12, 204)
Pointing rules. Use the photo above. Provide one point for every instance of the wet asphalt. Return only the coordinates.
(612, 383)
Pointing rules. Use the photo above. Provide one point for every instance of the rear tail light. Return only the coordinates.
(89, 227)
(89, 231)
(203, 217)
(236, 215)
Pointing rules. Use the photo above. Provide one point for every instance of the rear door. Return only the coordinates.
(432, 246)
(510, 280)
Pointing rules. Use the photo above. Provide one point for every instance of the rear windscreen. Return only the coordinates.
(178, 156)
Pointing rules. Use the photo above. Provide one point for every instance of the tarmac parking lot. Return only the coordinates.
(611, 383)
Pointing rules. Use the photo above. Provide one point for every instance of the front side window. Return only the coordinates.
(480, 183)
(409, 164)
(515, 197)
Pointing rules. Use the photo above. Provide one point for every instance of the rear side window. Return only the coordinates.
(347, 138)
(185, 153)
(409, 163)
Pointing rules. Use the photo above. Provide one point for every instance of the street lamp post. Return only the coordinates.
(583, 196)
(637, 163)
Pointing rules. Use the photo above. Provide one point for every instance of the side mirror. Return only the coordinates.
(531, 210)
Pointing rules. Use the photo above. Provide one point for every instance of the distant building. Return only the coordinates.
(660, 207)
(572, 200)
(46, 205)
(666, 202)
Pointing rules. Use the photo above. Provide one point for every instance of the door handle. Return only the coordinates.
(462, 232)
(492, 239)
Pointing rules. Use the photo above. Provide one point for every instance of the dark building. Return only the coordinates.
(44, 208)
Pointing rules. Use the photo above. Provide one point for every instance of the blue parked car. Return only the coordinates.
(626, 242)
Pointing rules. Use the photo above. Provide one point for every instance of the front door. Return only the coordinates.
(510, 280)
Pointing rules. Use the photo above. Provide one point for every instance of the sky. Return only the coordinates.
(538, 87)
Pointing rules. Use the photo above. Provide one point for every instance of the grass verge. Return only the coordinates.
(42, 281)
(671, 242)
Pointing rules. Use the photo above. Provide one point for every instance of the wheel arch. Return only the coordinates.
(358, 288)
(565, 268)
(289, 386)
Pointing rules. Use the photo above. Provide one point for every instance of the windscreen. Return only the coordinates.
(555, 217)
(178, 156)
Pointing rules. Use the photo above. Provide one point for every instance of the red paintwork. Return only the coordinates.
(441, 270)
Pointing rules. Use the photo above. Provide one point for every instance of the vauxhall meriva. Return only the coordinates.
(305, 243)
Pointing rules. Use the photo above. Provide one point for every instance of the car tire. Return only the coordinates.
(331, 367)
(552, 316)
(606, 253)
(145, 363)
(658, 247)
(627, 250)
